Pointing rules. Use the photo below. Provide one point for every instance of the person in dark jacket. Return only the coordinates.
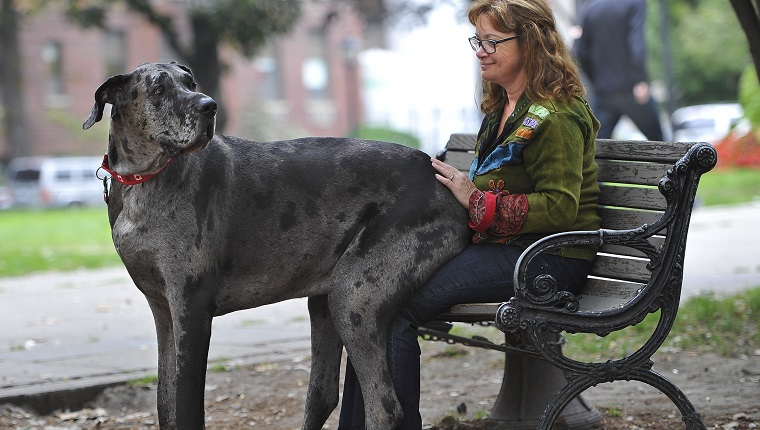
(612, 53)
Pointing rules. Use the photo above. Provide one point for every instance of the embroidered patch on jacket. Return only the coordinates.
(531, 123)
(524, 133)
(539, 111)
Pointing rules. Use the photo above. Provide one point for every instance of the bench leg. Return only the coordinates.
(529, 385)
(568, 393)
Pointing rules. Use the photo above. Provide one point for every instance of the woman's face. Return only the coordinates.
(505, 66)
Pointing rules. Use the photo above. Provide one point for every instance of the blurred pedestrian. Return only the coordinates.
(612, 53)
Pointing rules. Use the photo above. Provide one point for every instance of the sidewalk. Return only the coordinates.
(66, 333)
(722, 250)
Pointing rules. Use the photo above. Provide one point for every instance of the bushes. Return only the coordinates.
(387, 135)
(738, 149)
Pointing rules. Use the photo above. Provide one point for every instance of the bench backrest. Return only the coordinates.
(630, 173)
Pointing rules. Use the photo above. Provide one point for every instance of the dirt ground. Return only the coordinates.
(459, 389)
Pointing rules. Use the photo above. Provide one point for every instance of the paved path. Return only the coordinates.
(723, 250)
(64, 331)
(73, 330)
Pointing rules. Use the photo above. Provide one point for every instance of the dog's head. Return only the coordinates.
(156, 113)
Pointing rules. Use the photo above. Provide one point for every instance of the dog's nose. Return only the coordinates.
(207, 107)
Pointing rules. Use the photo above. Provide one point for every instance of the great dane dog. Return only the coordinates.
(208, 224)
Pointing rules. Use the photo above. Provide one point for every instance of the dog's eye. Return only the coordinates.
(158, 91)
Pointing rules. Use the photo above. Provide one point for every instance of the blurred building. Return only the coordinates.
(304, 83)
(327, 77)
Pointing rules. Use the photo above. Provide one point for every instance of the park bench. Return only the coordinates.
(647, 195)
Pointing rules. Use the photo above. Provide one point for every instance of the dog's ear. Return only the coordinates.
(185, 68)
(106, 93)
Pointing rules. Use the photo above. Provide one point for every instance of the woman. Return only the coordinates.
(534, 174)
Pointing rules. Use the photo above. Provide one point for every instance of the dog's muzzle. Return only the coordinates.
(206, 107)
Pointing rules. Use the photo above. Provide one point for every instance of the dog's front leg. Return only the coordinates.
(326, 349)
(192, 312)
(167, 364)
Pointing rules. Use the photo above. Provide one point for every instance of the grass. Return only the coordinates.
(729, 326)
(68, 239)
(144, 382)
(729, 186)
(64, 239)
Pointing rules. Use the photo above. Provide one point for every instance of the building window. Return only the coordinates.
(268, 65)
(52, 58)
(115, 45)
(315, 72)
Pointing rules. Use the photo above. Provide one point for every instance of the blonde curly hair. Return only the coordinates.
(551, 71)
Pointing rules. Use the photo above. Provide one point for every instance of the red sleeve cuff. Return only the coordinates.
(489, 200)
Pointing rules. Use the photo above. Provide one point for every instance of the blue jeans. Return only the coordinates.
(482, 273)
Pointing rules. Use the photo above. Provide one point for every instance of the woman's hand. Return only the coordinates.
(455, 180)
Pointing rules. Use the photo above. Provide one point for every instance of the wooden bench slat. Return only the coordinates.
(617, 218)
(602, 294)
(631, 197)
(462, 141)
(460, 160)
(597, 304)
(598, 294)
(660, 152)
(474, 312)
(621, 268)
(612, 288)
(631, 172)
(657, 241)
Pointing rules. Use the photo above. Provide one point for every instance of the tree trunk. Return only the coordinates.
(206, 64)
(749, 18)
(11, 92)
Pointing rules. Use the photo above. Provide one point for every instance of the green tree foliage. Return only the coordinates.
(712, 54)
(709, 48)
(387, 135)
(749, 96)
(245, 24)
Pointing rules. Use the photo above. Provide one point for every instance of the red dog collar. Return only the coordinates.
(131, 179)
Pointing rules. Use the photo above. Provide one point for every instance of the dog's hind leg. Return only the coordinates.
(167, 365)
(363, 322)
(326, 351)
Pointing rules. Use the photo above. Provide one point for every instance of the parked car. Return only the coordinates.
(54, 181)
(6, 198)
(706, 123)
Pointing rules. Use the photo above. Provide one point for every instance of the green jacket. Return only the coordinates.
(546, 152)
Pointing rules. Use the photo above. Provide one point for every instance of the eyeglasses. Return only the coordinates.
(488, 45)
